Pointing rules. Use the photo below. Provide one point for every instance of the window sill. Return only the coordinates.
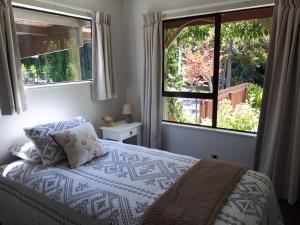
(208, 129)
(29, 87)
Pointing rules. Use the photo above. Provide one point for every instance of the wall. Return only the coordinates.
(66, 101)
(201, 142)
(195, 142)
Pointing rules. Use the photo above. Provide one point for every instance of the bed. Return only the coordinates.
(117, 189)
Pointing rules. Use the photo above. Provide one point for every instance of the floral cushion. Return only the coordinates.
(48, 149)
(80, 144)
(26, 151)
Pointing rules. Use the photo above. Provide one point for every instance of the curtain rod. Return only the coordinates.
(64, 5)
(43, 8)
(215, 8)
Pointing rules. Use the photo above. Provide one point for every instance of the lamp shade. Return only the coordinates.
(127, 109)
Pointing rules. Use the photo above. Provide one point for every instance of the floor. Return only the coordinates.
(291, 214)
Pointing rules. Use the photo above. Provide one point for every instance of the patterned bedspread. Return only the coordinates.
(118, 188)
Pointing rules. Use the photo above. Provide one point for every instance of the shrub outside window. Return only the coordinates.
(214, 68)
(53, 48)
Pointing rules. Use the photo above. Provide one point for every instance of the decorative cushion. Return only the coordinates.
(80, 144)
(48, 149)
(26, 151)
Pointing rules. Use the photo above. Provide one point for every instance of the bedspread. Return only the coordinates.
(119, 187)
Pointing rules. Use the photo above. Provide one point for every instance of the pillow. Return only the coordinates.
(48, 149)
(80, 144)
(26, 151)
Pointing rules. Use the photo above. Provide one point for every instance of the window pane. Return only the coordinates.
(189, 55)
(86, 55)
(244, 50)
(186, 110)
(53, 48)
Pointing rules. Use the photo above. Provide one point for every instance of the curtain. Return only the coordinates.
(151, 112)
(12, 97)
(103, 86)
(278, 144)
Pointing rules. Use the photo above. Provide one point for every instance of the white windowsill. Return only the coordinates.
(215, 130)
(57, 84)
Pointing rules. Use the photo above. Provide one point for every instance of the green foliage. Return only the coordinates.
(25, 72)
(53, 67)
(173, 81)
(254, 97)
(86, 61)
(243, 117)
(249, 50)
(57, 66)
(250, 30)
(172, 59)
(175, 112)
(193, 36)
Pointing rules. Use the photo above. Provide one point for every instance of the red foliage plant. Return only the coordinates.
(198, 65)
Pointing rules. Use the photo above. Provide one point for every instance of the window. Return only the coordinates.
(53, 48)
(214, 68)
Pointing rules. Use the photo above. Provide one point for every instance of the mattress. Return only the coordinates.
(119, 187)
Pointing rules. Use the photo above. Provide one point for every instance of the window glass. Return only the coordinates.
(240, 41)
(53, 48)
(188, 110)
(244, 47)
(189, 55)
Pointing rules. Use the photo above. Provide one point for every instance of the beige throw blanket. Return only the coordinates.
(197, 197)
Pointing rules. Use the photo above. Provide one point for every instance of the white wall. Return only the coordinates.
(64, 102)
(195, 142)
(201, 142)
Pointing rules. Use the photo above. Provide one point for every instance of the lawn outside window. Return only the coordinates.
(54, 49)
(214, 68)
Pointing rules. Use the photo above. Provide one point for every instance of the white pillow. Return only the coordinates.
(80, 144)
(26, 151)
(48, 149)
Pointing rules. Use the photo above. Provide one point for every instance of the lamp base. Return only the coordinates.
(128, 118)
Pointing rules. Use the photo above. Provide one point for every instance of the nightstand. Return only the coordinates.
(122, 131)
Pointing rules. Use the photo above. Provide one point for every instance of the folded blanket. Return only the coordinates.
(197, 197)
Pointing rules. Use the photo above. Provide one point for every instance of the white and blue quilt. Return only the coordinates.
(119, 187)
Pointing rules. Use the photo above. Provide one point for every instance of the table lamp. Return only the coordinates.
(128, 111)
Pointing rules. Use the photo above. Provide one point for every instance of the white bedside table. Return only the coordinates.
(123, 131)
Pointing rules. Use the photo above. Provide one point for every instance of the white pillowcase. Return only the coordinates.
(80, 144)
(26, 151)
(48, 149)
